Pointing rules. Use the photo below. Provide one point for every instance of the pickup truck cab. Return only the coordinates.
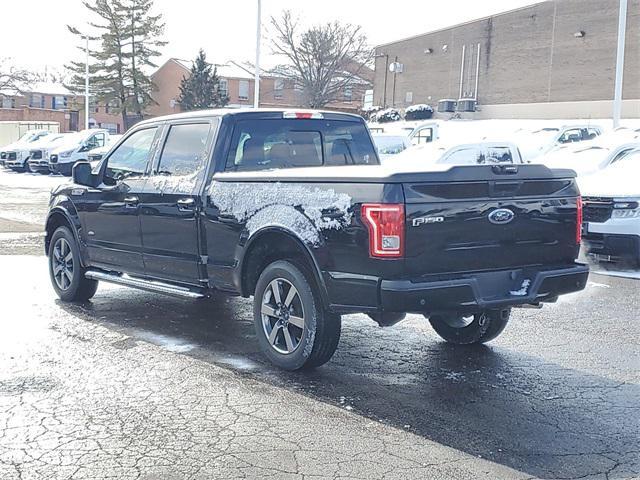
(293, 208)
(75, 148)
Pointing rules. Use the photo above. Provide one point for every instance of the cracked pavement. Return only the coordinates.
(136, 385)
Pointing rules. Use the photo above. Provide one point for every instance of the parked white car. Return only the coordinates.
(534, 143)
(419, 157)
(14, 152)
(611, 228)
(75, 148)
(97, 153)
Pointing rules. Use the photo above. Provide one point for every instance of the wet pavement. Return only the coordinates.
(136, 385)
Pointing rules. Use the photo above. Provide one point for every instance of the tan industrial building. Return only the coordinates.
(555, 59)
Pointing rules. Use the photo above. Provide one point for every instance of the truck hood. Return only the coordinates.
(611, 182)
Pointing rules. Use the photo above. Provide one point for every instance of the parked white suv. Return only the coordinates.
(75, 148)
(611, 228)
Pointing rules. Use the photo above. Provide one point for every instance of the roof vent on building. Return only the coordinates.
(428, 50)
(579, 34)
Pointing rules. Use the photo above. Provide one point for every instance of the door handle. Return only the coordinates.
(186, 203)
(131, 201)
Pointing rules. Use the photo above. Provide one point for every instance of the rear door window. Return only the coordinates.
(280, 143)
(184, 149)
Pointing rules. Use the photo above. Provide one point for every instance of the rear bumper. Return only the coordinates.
(613, 247)
(482, 290)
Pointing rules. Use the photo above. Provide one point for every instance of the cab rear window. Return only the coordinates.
(280, 143)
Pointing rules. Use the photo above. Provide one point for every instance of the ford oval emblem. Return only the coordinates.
(501, 216)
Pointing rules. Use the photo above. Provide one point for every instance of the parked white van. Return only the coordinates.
(75, 148)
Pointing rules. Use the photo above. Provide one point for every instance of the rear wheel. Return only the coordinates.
(461, 329)
(293, 329)
(65, 269)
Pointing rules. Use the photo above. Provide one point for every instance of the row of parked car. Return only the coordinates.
(45, 152)
(607, 164)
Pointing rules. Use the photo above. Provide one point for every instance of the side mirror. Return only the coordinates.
(82, 174)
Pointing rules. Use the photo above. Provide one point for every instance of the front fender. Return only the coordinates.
(62, 206)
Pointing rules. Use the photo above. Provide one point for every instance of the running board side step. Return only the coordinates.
(142, 284)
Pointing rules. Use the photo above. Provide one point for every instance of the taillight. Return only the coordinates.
(302, 115)
(578, 220)
(385, 222)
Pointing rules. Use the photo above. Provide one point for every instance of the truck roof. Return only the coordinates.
(253, 112)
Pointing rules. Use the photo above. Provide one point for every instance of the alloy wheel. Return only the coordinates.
(62, 263)
(282, 316)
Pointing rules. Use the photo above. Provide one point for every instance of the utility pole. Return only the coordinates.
(86, 82)
(256, 86)
(617, 96)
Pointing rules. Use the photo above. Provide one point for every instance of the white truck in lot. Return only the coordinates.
(75, 148)
(15, 152)
(611, 228)
(38, 159)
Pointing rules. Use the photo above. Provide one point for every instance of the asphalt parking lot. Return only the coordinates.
(135, 385)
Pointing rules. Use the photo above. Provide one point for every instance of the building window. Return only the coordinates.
(348, 93)
(223, 87)
(8, 102)
(58, 102)
(243, 90)
(36, 100)
(408, 97)
(278, 87)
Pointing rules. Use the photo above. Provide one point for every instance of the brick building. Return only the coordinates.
(554, 59)
(238, 83)
(51, 101)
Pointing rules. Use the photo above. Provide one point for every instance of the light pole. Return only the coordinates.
(617, 96)
(256, 86)
(86, 82)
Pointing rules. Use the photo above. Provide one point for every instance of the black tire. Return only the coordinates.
(30, 168)
(308, 346)
(67, 277)
(480, 328)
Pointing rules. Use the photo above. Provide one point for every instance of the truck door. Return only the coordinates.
(109, 213)
(170, 204)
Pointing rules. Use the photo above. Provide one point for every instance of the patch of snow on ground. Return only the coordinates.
(299, 208)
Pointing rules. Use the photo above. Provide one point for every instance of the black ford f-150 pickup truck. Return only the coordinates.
(294, 209)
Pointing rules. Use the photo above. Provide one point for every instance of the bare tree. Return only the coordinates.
(13, 80)
(323, 61)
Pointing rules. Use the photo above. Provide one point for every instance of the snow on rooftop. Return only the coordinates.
(228, 69)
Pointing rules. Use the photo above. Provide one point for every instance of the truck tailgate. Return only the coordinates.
(491, 220)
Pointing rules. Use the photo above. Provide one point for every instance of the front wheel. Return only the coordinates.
(480, 327)
(65, 269)
(293, 328)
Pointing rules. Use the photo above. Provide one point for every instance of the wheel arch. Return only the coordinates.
(60, 216)
(268, 245)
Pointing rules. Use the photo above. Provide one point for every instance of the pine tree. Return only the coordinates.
(128, 38)
(109, 60)
(143, 33)
(201, 89)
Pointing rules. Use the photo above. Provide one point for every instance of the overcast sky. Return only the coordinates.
(34, 32)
